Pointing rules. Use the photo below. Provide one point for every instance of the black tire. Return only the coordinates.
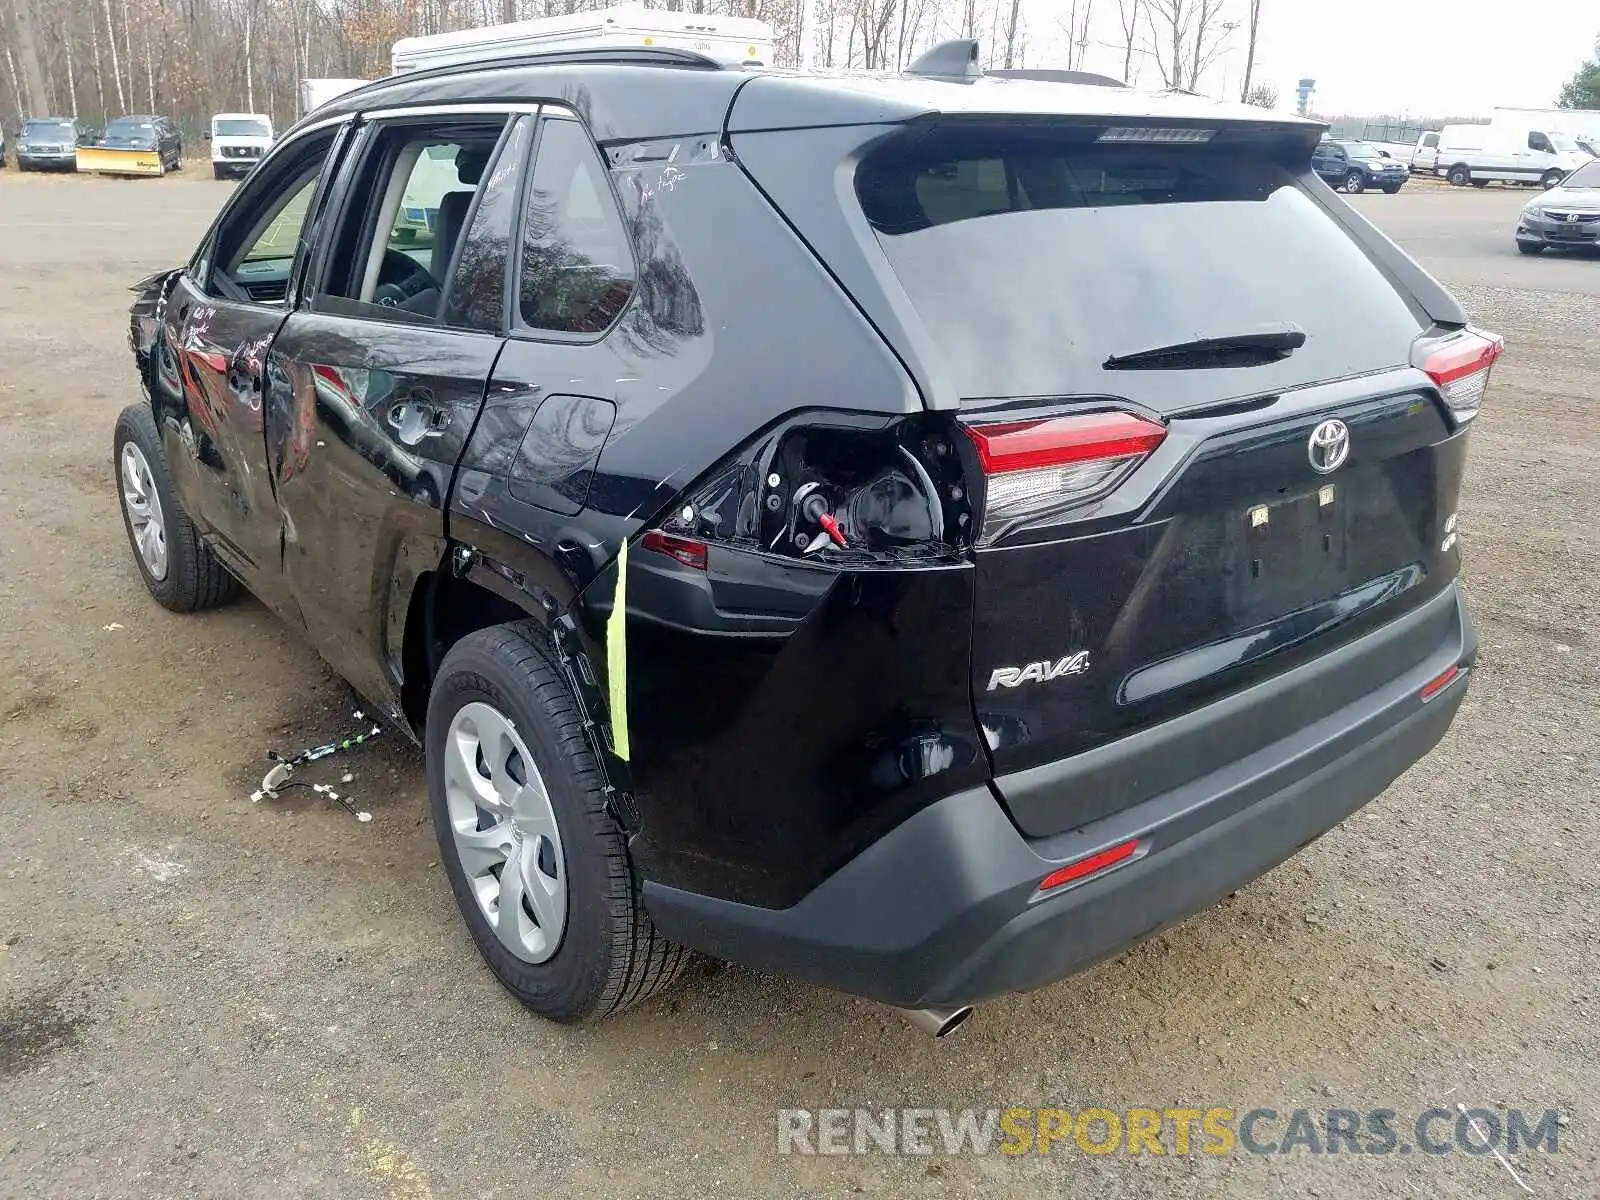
(1530, 247)
(217, 172)
(1354, 183)
(194, 579)
(1391, 189)
(1550, 179)
(1460, 175)
(610, 955)
(1480, 183)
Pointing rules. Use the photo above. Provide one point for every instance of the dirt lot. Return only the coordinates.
(199, 995)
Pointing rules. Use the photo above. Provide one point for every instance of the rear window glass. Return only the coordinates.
(1032, 257)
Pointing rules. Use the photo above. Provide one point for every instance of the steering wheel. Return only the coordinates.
(399, 279)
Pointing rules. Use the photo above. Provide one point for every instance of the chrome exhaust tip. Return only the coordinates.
(941, 1022)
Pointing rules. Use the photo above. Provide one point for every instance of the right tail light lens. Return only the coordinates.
(1460, 367)
(1036, 470)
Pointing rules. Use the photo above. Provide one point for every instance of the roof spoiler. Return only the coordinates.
(1046, 76)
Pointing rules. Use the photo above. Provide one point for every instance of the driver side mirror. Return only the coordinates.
(206, 135)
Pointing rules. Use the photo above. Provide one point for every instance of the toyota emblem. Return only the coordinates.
(1329, 446)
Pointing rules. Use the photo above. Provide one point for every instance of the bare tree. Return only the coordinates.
(1011, 33)
(1076, 27)
(1186, 36)
(38, 102)
(1252, 28)
(116, 69)
(1128, 14)
(1210, 32)
(1262, 96)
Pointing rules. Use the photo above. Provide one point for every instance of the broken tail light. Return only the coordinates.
(1036, 470)
(1460, 368)
(687, 551)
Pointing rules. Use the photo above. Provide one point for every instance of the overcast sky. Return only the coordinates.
(1423, 57)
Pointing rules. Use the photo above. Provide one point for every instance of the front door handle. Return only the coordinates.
(418, 417)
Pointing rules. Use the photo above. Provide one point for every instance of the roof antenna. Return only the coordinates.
(954, 60)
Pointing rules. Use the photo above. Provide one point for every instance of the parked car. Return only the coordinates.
(1480, 154)
(238, 140)
(843, 619)
(1567, 217)
(144, 134)
(51, 143)
(1355, 166)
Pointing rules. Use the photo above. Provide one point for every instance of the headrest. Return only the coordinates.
(471, 162)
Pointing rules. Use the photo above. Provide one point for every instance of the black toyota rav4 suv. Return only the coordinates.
(918, 534)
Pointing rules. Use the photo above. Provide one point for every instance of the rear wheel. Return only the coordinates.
(538, 865)
(1480, 183)
(1354, 183)
(1550, 179)
(178, 568)
(1460, 175)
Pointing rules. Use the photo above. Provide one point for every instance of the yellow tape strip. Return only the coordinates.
(617, 656)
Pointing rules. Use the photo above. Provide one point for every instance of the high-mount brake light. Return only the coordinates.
(1037, 469)
(1460, 368)
(1152, 135)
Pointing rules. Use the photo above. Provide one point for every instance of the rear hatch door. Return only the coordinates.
(1272, 476)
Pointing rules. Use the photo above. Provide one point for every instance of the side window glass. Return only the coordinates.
(1431, 141)
(1538, 141)
(477, 294)
(577, 269)
(254, 251)
(409, 210)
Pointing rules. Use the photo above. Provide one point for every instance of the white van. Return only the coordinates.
(1476, 154)
(1582, 125)
(736, 41)
(238, 140)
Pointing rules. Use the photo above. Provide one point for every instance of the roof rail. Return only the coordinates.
(1048, 76)
(642, 56)
(954, 60)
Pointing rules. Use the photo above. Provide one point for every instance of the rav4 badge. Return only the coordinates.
(1040, 672)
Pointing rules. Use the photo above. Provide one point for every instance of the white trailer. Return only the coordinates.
(737, 41)
(1582, 125)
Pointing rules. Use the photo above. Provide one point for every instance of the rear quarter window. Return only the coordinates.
(1032, 257)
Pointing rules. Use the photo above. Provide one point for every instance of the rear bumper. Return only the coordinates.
(943, 910)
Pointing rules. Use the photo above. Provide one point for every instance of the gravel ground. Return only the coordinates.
(203, 996)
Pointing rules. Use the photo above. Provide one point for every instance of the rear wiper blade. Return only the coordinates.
(1251, 349)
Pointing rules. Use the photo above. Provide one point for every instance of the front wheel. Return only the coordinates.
(1459, 175)
(538, 865)
(178, 568)
(1530, 247)
(1550, 179)
(1391, 189)
(1354, 183)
